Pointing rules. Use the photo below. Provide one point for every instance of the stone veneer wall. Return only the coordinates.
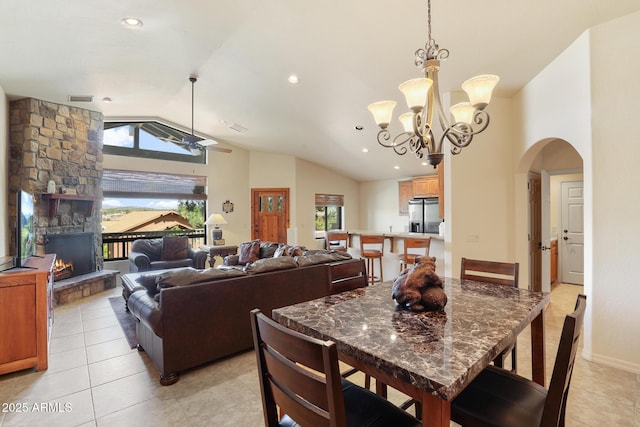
(49, 141)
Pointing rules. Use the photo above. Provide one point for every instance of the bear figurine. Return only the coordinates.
(419, 289)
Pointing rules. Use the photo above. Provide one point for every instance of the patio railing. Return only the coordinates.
(116, 246)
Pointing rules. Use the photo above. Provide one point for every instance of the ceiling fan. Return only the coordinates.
(195, 143)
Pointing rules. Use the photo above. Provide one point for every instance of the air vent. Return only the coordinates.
(237, 127)
(80, 98)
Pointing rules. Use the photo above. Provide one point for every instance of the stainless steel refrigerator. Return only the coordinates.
(424, 215)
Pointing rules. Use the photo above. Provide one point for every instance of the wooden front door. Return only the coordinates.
(270, 214)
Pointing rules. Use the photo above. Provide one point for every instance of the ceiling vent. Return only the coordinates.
(80, 98)
(237, 127)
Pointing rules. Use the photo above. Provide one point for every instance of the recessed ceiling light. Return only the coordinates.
(293, 79)
(424, 163)
(131, 22)
(365, 150)
(106, 99)
(396, 167)
(358, 127)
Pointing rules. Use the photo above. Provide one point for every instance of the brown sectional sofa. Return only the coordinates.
(200, 316)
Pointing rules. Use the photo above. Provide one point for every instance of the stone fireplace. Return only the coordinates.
(63, 144)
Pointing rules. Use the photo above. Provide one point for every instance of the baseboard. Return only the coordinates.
(614, 363)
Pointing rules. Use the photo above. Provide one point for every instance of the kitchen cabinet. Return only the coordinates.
(26, 315)
(426, 186)
(554, 261)
(405, 193)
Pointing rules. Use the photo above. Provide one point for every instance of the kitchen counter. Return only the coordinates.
(393, 236)
(396, 248)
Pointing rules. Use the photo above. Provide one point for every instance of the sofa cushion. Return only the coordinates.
(270, 264)
(192, 276)
(249, 252)
(174, 247)
(332, 256)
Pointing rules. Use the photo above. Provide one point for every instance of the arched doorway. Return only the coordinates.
(555, 161)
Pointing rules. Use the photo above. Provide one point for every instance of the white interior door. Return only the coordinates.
(572, 232)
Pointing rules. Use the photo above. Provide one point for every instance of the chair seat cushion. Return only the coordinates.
(500, 398)
(371, 253)
(366, 409)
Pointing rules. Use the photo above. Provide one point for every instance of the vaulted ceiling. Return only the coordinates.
(347, 54)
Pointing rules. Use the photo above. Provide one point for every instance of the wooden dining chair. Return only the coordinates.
(501, 273)
(299, 375)
(414, 247)
(371, 249)
(500, 398)
(337, 240)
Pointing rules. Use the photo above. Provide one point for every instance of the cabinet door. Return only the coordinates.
(405, 193)
(18, 321)
(426, 186)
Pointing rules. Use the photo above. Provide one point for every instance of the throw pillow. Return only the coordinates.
(249, 252)
(149, 282)
(174, 247)
(283, 250)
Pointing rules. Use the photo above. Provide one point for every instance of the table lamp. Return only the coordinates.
(215, 219)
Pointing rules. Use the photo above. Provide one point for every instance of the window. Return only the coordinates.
(151, 201)
(149, 140)
(329, 213)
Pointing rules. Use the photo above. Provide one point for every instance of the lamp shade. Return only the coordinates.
(382, 112)
(407, 121)
(463, 112)
(215, 219)
(479, 89)
(415, 92)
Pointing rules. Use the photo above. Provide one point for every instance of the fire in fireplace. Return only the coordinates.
(75, 254)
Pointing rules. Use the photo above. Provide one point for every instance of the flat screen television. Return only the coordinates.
(25, 228)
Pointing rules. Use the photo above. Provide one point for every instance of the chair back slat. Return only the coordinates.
(371, 242)
(337, 240)
(502, 273)
(556, 402)
(298, 374)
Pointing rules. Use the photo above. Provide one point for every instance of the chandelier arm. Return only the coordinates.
(398, 146)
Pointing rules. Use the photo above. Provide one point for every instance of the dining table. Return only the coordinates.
(430, 356)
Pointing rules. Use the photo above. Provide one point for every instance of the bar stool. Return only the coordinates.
(372, 248)
(335, 240)
(411, 244)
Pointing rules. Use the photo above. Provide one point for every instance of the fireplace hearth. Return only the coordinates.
(75, 254)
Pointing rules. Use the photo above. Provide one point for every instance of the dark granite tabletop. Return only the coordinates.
(438, 353)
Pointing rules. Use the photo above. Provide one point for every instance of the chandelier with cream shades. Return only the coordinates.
(423, 99)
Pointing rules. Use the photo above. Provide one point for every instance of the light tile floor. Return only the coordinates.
(95, 379)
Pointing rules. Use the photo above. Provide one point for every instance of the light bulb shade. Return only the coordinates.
(382, 112)
(415, 92)
(215, 219)
(463, 112)
(407, 121)
(479, 89)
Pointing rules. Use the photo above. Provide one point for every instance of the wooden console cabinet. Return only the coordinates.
(26, 315)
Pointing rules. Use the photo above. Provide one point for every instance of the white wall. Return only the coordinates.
(479, 216)
(4, 176)
(380, 208)
(587, 97)
(311, 179)
(615, 294)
